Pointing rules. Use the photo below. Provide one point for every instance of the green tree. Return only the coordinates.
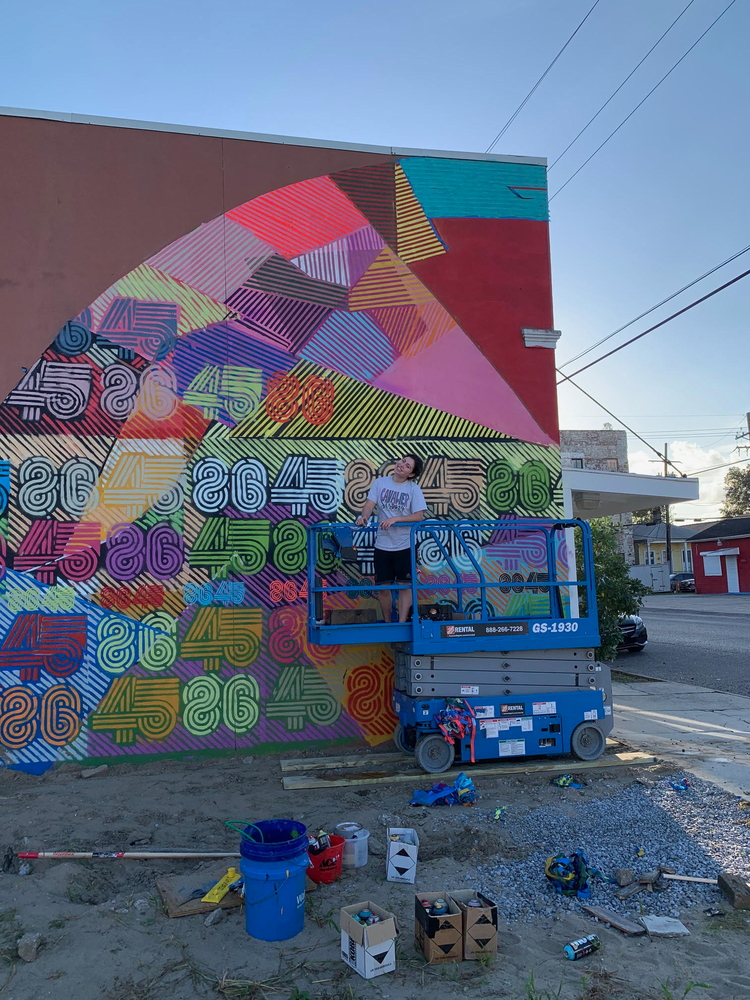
(736, 493)
(617, 593)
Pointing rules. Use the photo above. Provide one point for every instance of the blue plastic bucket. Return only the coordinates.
(273, 864)
(273, 840)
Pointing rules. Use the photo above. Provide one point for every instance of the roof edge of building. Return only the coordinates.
(285, 140)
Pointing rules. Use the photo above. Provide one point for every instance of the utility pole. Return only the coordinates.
(743, 435)
(667, 523)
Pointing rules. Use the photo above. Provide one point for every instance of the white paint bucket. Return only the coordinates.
(355, 844)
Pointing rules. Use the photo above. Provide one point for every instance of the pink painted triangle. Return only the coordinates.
(454, 376)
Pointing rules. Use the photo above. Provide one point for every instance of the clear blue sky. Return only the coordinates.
(665, 200)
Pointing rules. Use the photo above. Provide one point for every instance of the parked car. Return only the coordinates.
(634, 634)
(682, 582)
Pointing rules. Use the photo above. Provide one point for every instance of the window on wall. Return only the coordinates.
(712, 565)
(689, 560)
(610, 464)
(576, 463)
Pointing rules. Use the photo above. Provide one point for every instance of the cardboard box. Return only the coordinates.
(370, 951)
(479, 929)
(440, 939)
(401, 856)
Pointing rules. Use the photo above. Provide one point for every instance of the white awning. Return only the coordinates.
(589, 493)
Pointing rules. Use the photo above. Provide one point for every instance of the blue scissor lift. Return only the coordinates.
(498, 665)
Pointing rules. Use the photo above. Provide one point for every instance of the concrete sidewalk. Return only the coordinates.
(704, 731)
(725, 604)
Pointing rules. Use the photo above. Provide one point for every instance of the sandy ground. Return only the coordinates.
(99, 942)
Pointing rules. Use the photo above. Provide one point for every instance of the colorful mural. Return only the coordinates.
(163, 457)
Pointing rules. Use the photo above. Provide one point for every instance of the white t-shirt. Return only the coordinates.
(397, 500)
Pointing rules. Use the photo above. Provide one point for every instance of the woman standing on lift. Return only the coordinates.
(398, 499)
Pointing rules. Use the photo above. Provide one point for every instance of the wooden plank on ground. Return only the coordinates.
(634, 759)
(176, 891)
(624, 924)
(354, 760)
(291, 764)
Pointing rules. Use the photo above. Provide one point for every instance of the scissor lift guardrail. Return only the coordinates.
(563, 627)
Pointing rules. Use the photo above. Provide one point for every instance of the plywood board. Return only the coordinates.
(176, 890)
(624, 924)
(634, 759)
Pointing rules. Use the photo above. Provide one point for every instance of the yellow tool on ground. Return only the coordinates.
(221, 888)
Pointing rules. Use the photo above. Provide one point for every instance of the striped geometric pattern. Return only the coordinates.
(185, 423)
(215, 258)
(351, 343)
(359, 406)
(147, 284)
(329, 263)
(372, 189)
(344, 261)
(412, 328)
(416, 238)
(388, 282)
(452, 189)
(300, 217)
(280, 277)
(222, 344)
(287, 323)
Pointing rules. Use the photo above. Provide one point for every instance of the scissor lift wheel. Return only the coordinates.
(587, 741)
(399, 738)
(434, 754)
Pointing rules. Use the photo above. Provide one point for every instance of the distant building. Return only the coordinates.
(604, 451)
(721, 557)
(650, 544)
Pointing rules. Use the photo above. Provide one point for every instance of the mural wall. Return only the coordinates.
(163, 457)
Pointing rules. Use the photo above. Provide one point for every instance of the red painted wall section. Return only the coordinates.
(495, 281)
(718, 584)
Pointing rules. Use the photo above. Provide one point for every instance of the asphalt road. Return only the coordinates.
(708, 647)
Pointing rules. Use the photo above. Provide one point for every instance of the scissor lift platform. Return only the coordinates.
(476, 624)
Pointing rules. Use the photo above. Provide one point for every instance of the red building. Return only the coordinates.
(721, 557)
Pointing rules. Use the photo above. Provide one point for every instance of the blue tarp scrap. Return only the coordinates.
(461, 792)
(570, 876)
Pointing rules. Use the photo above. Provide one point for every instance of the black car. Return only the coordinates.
(682, 583)
(634, 634)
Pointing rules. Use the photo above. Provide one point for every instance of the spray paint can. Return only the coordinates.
(582, 947)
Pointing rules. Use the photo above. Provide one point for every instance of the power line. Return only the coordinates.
(616, 92)
(622, 423)
(724, 466)
(669, 298)
(530, 94)
(707, 432)
(656, 326)
(641, 103)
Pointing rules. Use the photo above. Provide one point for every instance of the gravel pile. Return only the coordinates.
(697, 832)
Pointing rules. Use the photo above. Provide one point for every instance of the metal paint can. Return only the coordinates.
(582, 947)
(355, 844)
